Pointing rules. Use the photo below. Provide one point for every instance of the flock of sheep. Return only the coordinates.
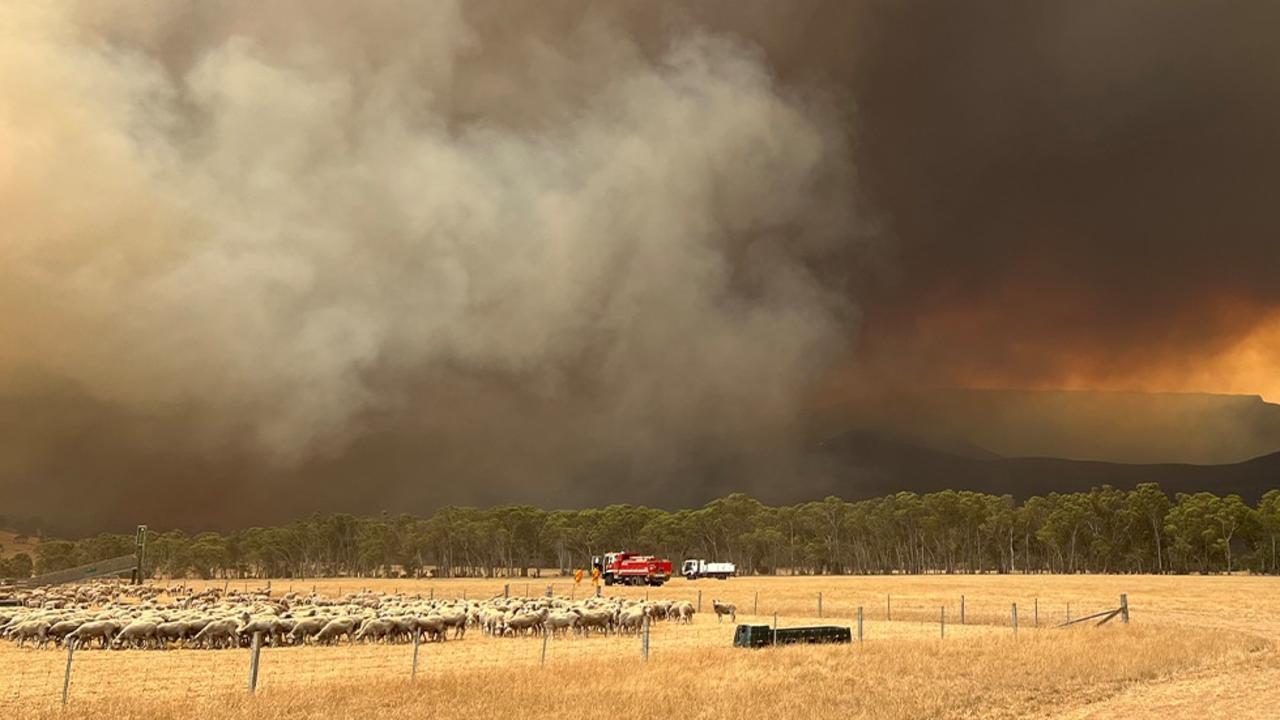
(115, 616)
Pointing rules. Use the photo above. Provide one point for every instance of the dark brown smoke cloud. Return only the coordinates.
(265, 258)
(1079, 193)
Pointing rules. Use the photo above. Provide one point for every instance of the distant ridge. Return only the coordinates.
(1123, 427)
(860, 465)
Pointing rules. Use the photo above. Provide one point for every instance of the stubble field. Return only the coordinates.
(1196, 647)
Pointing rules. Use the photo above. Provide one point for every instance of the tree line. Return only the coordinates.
(1105, 530)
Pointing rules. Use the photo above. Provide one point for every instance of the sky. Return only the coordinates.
(264, 258)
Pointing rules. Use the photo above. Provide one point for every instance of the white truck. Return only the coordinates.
(694, 569)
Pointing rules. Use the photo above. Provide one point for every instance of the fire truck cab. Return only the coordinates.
(626, 568)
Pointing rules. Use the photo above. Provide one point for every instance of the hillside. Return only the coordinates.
(859, 465)
(13, 543)
(1134, 428)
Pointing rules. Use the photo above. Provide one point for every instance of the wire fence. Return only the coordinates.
(51, 676)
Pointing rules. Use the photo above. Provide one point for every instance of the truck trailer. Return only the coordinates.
(694, 569)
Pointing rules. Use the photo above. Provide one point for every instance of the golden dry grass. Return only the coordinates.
(1192, 641)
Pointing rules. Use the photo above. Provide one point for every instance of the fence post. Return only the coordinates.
(888, 608)
(942, 621)
(545, 633)
(1014, 615)
(961, 609)
(859, 623)
(775, 627)
(755, 605)
(1035, 618)
(526, 589)
(1124, 614)
(699, 601)
(819, 604)
(433, 593)
(506, 590)
(66, 678)
(644, 640)
(254, 653)
(417, 637)
(1068, 612)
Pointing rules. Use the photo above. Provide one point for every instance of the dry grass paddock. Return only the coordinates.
(1197, 647)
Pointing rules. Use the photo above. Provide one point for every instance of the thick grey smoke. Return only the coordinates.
(272, 224)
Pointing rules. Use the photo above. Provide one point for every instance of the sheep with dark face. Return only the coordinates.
(723, 609)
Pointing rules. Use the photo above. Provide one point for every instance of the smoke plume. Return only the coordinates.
(262, 258)
(264, 230)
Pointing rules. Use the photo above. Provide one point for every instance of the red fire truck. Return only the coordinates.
(624, 568)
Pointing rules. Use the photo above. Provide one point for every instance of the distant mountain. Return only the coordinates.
(1141, 428)
(861, 465)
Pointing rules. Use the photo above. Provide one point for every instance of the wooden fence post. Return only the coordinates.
(699, 601)
(254, 653)
(1013, 613)
(66, 678)
(775, 627)
(755, 605)
(942, 621)
(506, 590)
(819, 604)
(962, 609)
(1035, 618)
(417, 637)
(644, 642)
(1124, 612)
(859, 623)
